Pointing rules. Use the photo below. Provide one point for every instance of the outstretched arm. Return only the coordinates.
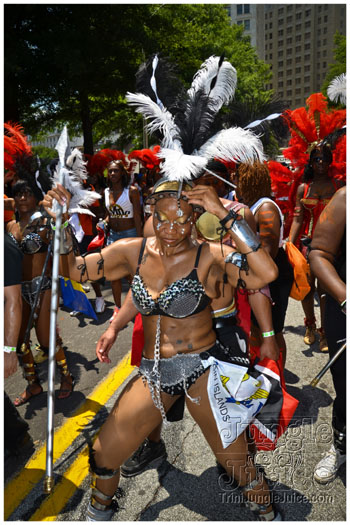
(113, 262)
(325, 245)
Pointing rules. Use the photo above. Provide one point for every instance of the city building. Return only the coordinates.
(297, 40)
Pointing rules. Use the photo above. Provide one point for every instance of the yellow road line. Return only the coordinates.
(18, 488)
(64, 490)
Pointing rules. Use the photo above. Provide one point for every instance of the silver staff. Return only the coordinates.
(328, 365)
(49, 480)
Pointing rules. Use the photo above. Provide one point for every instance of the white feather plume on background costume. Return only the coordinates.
(74, 173)
(337, 89)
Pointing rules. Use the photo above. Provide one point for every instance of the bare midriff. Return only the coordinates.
(191, 334)
(120, 225)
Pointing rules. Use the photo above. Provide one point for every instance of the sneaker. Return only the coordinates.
(99, 305)
(115, 312)
(326, 470)
(310, 336)
(86, 288)
(74, 313)
(147, 454)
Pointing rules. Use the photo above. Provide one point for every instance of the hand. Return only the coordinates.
(60, 194)
(206, 197)
(10, 363)
(269, 348)
(105, 343)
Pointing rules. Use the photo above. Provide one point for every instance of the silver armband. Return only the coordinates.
(241, 228)
(238, 259)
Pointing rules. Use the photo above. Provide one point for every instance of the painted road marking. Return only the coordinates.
(18, 488)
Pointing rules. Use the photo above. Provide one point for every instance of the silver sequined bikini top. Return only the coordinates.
(182, 298)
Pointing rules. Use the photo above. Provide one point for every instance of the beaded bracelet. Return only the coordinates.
(268, 334)
(9, 349)
(64, 225)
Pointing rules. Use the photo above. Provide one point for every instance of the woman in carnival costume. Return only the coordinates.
(174, 282)
(254, 189)
(32, 233)
(317, 153)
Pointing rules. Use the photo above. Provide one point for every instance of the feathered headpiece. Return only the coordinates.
(98, 162)
(186, 121)
(20, 162)
(71, 173)
(148, 157)
(310, 127)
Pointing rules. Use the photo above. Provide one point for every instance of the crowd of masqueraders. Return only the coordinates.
(212, 238)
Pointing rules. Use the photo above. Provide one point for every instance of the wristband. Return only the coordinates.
(9, 349)
(64, 225)
(268, 334)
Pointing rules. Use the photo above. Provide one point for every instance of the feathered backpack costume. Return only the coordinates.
(314, 125)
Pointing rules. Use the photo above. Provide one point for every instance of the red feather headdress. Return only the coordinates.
(98, 163)
(147, 157)
(309, 126)
(15, 144)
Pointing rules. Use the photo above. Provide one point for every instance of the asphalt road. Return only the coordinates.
(187, 486)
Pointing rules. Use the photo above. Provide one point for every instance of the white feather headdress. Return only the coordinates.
(186, 121)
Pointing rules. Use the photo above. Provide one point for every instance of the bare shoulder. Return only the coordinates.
(133, 190)
(300, 190)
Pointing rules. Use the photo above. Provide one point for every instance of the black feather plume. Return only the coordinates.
(169, 88)
(198, 123)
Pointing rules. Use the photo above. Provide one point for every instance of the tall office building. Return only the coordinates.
(297, 40)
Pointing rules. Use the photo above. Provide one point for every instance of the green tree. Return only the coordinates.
(74, 63)
(339, 66)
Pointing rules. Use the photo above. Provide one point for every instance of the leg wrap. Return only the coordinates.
(258, 509)
(28, 364)
(103, 497)
(100, 472)
(63, 367)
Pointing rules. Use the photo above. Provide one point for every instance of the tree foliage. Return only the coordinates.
(72, 63)
(339, 66)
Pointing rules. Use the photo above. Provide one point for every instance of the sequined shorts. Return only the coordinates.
(29, 288)
(179, 372)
